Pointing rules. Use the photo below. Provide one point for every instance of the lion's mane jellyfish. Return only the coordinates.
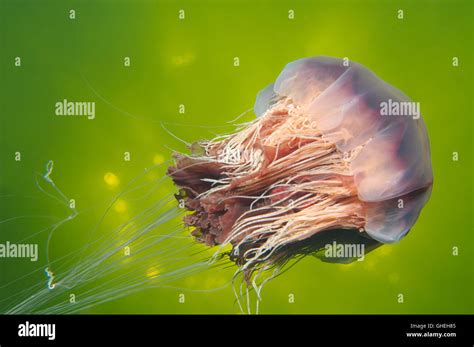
(319, 157)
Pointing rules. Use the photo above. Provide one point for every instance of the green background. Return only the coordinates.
(190, 62)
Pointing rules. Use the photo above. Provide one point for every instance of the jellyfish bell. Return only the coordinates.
(345, 102)
(320, 157)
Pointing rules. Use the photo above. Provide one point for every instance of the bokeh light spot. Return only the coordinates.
(120, 206)
(152, 272)
(158, 159)
(111, 180)
(183, 60)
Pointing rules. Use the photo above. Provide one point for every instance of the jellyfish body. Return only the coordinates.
(345, 102)
(333, 147)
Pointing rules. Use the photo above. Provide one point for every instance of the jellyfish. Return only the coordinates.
(334, 155)
(323, 161)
